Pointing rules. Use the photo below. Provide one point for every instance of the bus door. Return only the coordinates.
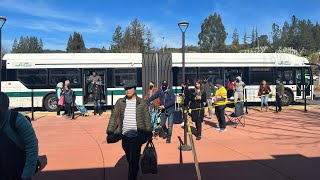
(308, 82)
(87, 85)
(303, 77)
(299, 83)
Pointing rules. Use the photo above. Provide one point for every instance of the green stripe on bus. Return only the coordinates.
(25, 94)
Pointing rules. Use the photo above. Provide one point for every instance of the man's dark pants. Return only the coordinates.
(132, 148)
(278, 103)
(219, 110)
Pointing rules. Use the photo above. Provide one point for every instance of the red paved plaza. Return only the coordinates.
(271, 146)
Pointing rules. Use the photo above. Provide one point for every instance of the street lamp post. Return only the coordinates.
(183, 27)
(163, 45)
(3, 20)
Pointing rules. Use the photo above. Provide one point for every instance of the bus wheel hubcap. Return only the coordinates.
(52, 103)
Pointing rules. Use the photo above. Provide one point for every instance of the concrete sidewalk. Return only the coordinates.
(272, 145)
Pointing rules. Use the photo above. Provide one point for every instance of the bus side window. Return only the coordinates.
(121, 76)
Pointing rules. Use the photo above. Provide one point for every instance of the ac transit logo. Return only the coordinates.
(23, 64)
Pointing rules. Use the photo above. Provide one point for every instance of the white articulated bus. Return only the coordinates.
(22, 73)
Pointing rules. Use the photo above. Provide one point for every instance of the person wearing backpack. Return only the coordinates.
(19, 144)
(69, 99)
(167, 101)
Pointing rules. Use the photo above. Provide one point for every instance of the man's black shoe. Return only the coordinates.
(164, 136)
(168, 140)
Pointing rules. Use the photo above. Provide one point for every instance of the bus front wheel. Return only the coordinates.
(287, 98)
(50, 103)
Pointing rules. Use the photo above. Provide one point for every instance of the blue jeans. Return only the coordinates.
(96, 103)
(153, 113)
(264, 101)
(163, 118)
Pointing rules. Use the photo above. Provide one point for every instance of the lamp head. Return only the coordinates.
(3, 19)
(183, 25)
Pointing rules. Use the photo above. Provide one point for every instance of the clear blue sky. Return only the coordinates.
(96, 20)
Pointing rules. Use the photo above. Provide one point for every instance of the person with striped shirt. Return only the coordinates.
(134, 122)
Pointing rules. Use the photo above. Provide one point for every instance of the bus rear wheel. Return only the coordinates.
(287, 98)
(50, 103)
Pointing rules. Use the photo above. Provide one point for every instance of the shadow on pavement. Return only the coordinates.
(293, 166)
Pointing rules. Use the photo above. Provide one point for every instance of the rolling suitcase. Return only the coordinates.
(83, 110)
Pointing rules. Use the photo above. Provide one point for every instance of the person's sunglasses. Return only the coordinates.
(128, 88)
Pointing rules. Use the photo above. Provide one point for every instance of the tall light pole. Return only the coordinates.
(3, 20)
(163, 45)
(183, 25)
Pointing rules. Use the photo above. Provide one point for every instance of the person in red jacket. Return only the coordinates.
(153, 105)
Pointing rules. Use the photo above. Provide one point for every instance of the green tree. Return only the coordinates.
(285, 34)
(94, 50)
(27, 45)
(235, 38)
(3, 51)
(213, 35)
(116, 40)
(33, 45)
(23, 45)
(316, 36)
(276, 36)
(245, 43)
(263, 40)
(137, 31)
(76, 44)
(126, 46)
(148, 41)
(256, 36)
(40, 46)
(253, 39)
(293, 33)
(15, 46)
(232, 49)
(104, 50)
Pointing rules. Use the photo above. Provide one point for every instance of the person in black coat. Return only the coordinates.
(186, 94)
(97, 94)
(198, 99)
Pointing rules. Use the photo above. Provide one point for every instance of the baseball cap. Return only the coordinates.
(165, 83)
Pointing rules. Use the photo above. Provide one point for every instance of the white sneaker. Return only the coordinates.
(218, 129)
(59, 116)
(182, 124)
(223, 129)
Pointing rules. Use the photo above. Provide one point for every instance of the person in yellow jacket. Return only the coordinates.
(220, 100)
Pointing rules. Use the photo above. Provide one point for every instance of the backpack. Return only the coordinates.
(13, 120)
(230, 85)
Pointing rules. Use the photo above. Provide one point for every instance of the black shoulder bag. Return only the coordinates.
(117, 135)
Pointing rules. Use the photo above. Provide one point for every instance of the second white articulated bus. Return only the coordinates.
(22, 73)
